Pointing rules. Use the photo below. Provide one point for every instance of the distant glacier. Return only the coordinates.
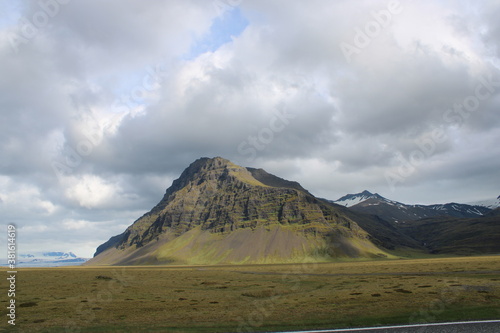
(46, 259)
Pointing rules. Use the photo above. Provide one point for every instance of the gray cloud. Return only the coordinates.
(107, 103)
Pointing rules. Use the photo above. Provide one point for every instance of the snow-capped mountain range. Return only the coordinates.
(491, 204)
(46, 259)
(397, 212)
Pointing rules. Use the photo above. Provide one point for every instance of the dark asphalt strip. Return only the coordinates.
(486, 326)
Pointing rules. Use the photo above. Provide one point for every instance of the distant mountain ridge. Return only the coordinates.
(397, 212)
(492, 203)
(457, 236)
(47, 259)
(452, 228)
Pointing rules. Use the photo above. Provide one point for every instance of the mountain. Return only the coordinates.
(219, 212)
(491, 204)
(350, 200)
(397, 212)
(458, 229)
(458, 236)
(47, 259)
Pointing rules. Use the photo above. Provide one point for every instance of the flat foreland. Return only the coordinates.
(249, 298)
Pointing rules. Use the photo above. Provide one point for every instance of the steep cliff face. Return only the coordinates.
(218, 212)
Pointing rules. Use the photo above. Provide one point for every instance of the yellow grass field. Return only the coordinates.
(252, 298)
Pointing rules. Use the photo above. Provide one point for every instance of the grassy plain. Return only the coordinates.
(250, 298)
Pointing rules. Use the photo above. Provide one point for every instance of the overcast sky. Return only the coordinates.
(103, 103)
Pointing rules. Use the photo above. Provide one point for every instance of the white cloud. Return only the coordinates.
(76, 225)
(20, 198)
(90, 191)
(34, 228)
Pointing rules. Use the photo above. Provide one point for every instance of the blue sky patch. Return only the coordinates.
(231, 24)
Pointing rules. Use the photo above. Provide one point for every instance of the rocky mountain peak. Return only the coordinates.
(207, 168)
(353, 199)
(207, 175)
(216, 168)
(209, 164)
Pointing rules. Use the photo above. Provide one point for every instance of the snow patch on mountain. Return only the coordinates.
(350, 200)
(491, 203)
(354, 199)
